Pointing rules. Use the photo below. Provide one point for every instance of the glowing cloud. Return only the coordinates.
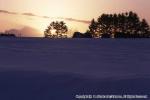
(7, 12)
(46, 17)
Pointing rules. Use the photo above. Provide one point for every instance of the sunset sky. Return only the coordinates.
(33, 16)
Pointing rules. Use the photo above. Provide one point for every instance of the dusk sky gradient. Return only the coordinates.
(37, 14)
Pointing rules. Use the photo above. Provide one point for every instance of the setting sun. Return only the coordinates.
(53, 32)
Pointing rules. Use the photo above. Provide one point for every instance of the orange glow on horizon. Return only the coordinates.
(38, 15)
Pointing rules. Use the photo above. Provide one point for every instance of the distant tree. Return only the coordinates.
(82, 35)
(7, 35)
(124, 25)
(78, 35)
(87, 34)
(56, 30)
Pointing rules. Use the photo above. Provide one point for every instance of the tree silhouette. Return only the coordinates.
(124, 25)
(82, 35)
(87, 34)
(7, 35)
(94, 29)
(78, 35)
(56, 30)
(145, 29)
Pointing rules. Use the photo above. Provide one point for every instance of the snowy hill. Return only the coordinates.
(43, 69)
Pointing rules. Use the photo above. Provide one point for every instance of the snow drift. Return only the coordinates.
(58, 69)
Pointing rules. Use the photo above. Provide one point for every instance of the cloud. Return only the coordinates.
(7, 24)
(34, 15)
(25, 32)
(45, 17)
(74, 20)
(77, 20)
(29, 14)
(7, 12)
(30, 32)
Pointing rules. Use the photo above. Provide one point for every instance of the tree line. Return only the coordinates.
(122, 25)
(5, 34)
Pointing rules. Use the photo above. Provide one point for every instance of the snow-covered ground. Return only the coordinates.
(58, 69)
